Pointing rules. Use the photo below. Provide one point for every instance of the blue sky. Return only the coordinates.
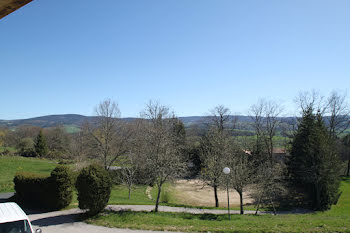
(66, 56)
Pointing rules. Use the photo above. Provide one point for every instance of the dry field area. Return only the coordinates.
(196, 193)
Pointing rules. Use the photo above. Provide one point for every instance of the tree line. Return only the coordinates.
(156, 148)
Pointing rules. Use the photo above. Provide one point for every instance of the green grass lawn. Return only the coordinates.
(10, 165)
(11, 149)
(119, 195)
(335, 220)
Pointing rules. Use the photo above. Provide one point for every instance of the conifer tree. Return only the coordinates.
(314, 163)
(346, 152)
(40, 145)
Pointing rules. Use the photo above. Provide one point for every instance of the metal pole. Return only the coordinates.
(228, 201)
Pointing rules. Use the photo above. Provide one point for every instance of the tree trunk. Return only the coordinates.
(129, 192)
(216, 196)
(258, 205)
(273, 206)
(241, 201)
(318, 201)
(158, 197)
(348, 171)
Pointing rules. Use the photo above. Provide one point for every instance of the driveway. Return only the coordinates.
(67, 222)
(5, 196)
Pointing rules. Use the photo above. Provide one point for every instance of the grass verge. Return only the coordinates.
(335, 220)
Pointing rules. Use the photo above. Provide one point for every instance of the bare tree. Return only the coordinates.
(130, 165)
(265, 121)
(213, 148)
(339, 114)
(241, 170)
(265, 115)
(163, 154)
(110, 135)
(213, 154)
(311, 100)
(220, 116)
(335, 109)
(79, 147)
(58, 141)
(269, 184)
(3, 132)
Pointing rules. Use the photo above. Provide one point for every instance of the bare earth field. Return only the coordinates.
(195, 193)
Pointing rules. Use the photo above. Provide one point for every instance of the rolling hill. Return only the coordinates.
(75, 120)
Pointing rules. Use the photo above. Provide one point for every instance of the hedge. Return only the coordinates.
(31, 188)
(49, 192)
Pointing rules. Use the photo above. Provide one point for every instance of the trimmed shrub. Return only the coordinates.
(94, 188)
(60, 188)
(53, 192)
(30, 188)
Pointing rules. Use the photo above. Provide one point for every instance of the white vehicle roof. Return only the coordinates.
(10, 212)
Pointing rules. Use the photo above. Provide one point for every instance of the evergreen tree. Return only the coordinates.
(314, 163)
(346, 152)
(40, 145)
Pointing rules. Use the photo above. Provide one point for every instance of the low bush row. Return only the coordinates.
(50, 192)
(55, 192)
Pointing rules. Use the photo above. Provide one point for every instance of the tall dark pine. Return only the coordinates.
(346, 152)
(314, 163)
(40, 145)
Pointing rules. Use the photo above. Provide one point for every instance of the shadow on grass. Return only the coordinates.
(346, 179)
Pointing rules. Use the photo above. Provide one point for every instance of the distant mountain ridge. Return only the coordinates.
(78, 120)
(48, 121)
(53, 120)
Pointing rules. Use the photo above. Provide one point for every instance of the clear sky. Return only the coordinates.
(66, 56)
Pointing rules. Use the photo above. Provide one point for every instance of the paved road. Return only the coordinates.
(67, 222)
(5, 196)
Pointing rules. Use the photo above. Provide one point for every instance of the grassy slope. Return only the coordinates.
(10, 165)
(335, 220)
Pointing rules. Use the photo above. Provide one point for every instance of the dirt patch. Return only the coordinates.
(195, 193)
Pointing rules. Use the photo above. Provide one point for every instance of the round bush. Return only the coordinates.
(94, 188)
(61, 187)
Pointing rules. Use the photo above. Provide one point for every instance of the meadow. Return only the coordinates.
(9, 165)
